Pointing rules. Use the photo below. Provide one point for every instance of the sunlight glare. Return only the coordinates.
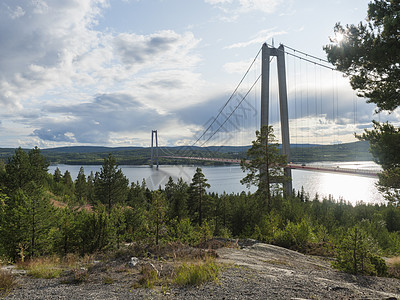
(339, 37)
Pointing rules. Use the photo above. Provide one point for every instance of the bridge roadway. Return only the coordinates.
(358, 172)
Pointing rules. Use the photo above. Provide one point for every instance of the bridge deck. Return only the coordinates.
(360, 172)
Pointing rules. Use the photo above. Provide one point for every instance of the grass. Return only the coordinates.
(149, 277)
(42, 267)
(7, 283)
(196, 273)
(394, 266)
(108, 280)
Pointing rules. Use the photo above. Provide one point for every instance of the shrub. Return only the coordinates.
(353, 254)
(380, 266)
(293, 236)
(196, 273)
(7, 283)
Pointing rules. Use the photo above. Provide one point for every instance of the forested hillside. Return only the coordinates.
(43, 214)
(141, 156)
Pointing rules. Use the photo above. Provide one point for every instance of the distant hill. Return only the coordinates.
(94, 155)
(87, 149)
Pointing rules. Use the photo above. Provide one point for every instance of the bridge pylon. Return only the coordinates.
(279, 52)
(154, 137)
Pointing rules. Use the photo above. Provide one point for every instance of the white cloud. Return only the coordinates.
(40, 40)
(214, 2)
(259, 38)
(164, 49)
(267, 6)
(246, 6)
(51, 56)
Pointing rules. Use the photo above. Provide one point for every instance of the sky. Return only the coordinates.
(106, 73)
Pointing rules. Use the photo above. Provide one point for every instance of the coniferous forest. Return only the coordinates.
(45, 214)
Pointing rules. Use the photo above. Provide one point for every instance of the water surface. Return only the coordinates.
(351, 188)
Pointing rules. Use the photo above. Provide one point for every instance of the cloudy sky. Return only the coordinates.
(98, 72)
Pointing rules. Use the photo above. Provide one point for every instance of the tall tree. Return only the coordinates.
(384, 141)
(18, 170)
(157, 213)
(111, 185)
(27, 222)
(67, 180)
(57, 176)
(264, 164)
(38, 166)
(90, 188)
(369, 54)
(178, 204)
(81, 186)
(198, 195)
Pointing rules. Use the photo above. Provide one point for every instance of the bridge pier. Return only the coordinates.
(279, 52)
(154, 135)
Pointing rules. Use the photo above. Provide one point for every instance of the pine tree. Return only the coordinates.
(157, 213)
(57, 176)
(264, 164)
(81, 186)
(18, 171)
(198, 196)
(111, 186)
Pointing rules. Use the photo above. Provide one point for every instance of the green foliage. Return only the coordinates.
(24, 168)
(183, 231)
(294, 236)
(354, 255)
(177, 195)
(196, 273)
(198, 197)
(368, 54)
(32, 225)
(81, 190)
(264, 164)
(268, 227)
(27, 221)
(384, 140)
(157, 213)
(111, 185)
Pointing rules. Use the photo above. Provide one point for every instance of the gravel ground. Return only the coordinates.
(257, 272)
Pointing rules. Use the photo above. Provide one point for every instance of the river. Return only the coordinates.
(351, 188)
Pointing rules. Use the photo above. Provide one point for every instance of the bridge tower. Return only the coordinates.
(154, 137)
(279, 52)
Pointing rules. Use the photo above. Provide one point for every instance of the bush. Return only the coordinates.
(293, 236)
(353, 254)
(379, 264)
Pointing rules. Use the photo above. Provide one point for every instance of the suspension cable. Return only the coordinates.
(240, 102)
(306, 54)
(230, 98)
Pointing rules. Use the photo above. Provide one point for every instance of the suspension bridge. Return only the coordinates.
(313, 105)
